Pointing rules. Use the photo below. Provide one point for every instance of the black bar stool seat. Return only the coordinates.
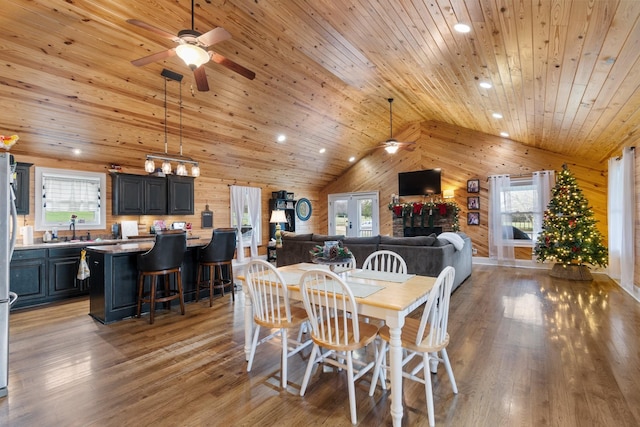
(214, 260)
(164, 260)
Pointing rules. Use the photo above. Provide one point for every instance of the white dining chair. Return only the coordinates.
(272, 310)
(426, 337)
(335, 329)
(386, 261)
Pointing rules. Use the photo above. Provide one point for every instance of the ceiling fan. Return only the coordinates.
(392, 145)
(192, 49)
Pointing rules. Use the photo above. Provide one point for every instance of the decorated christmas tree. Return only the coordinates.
(569, 235)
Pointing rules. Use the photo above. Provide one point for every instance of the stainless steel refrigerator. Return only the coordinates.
(8, 231)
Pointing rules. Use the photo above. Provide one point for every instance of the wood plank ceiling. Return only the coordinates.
(564, 76)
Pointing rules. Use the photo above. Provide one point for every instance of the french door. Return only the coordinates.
(354, 214)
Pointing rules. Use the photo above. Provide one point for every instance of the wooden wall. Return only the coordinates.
(214, 192)
(636, 278)
(463, 154)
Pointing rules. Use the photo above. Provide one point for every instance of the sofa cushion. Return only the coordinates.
(326, 238)
(374, 240)
(408, 241)
(453, 238)
(286, 235)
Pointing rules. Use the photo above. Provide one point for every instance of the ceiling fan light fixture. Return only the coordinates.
(192, 55)
(391, 147)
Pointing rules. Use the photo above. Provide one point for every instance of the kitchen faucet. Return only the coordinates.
(72, 226)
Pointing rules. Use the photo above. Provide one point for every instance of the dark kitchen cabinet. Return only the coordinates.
(138, 195)
(27, 277)
(62, 266)
(180, 195)
(21, 187)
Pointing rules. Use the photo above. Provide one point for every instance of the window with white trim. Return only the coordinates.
(522, 195)
(62, 194)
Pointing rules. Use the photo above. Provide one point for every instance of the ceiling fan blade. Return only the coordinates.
(153, 29)
(214, 36)
(154, 57)
(201, 79)
(244, 72)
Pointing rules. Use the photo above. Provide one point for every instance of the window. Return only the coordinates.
(246, 212)
(62, 193)
(522, 196)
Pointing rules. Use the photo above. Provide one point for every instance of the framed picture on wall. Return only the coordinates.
(473, 186)
(473, 203)
(473, 218)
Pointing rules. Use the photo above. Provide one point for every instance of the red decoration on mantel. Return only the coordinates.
(397, 210)
(417, 208)
(442, 208)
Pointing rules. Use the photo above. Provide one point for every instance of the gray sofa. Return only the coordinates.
(424, 255)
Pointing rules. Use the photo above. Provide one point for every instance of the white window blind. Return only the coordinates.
(63, 194)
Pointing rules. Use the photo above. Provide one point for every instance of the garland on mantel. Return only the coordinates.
(414, 210)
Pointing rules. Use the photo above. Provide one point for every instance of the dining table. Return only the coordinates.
(390, 297)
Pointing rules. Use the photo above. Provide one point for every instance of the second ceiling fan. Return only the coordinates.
(392, 145)
(192, 49)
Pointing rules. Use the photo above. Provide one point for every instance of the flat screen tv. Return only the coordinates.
(419, 183)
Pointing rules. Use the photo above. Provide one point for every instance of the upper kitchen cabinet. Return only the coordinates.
(21, 187)
(180, 195)
(138, 195)
(151, 195)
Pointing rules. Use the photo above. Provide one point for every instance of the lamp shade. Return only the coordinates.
(277, 217)
(192, 55)
(447, 194)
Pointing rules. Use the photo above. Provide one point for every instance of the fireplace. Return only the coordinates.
(421, 231)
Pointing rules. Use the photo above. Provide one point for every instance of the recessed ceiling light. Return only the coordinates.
(462, 28)
(352, 159)
(322, 150)
(76, 151)
(281, 138)
(504, 134)
(497, 115)
(486, 85)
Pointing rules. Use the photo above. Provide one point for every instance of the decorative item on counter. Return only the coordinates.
(9, 141)
(158, 225)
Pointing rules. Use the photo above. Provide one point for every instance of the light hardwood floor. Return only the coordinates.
(526, 350)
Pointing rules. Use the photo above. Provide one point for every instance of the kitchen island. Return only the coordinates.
(114, 278)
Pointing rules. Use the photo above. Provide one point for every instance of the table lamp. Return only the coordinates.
(278, 217)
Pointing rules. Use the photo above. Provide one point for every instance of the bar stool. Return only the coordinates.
(163, 259)
(213, 257)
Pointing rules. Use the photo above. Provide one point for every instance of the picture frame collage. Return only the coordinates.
(473, 202)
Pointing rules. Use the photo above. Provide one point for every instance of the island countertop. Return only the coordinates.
(122, 248)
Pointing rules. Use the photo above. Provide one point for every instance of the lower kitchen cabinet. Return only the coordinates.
(27, 277)
(62, 267)
(40, 276)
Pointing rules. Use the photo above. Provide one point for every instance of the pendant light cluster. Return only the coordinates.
(181, 160)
